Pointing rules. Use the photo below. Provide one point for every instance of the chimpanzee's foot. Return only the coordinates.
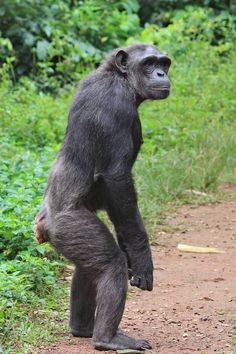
(86, 333)
(122, 341)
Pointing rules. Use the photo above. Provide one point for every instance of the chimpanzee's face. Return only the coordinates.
(150, 69)
(146, 69)
(153, 69)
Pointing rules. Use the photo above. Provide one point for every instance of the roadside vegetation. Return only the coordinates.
(190, 145)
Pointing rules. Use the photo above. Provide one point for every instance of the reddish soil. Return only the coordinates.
(192, 308)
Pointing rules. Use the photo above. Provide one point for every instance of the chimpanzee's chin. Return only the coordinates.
(162, 94)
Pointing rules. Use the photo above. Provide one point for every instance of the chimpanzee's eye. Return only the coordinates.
(165, 68)
(164, 63)
(149, 65)
(149, 62)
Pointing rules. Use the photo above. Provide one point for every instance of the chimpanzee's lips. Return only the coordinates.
(164, 88)
(163, 92)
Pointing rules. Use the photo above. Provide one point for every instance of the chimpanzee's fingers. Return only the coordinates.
(149, 281)
(130, 273)
(135, 281)
(143, 283)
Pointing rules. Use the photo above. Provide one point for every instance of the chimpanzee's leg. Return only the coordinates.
(82, 304)
(82, 238)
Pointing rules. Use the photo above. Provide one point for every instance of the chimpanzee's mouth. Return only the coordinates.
(164, 88)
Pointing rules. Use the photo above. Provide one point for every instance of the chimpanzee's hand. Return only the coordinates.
(142, 275)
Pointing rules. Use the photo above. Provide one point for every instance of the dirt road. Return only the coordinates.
(192, 308)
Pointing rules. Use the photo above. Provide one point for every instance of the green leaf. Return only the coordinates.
(40, 249)
(29, 39)
(42, 49)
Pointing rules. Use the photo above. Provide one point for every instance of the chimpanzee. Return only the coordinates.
(92, 171)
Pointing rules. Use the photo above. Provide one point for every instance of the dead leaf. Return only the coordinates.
(128, 351)
(196, 249)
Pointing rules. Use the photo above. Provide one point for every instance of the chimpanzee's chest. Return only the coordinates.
(136, 137)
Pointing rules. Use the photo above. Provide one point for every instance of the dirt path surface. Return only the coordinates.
(192, 308)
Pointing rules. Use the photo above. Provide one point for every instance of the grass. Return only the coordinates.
(189, 146)
(31, 326)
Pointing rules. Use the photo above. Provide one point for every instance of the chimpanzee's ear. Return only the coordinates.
(121, 61)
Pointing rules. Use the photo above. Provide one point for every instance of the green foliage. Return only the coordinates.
(190, 25)
(29, 117)
(5, 48)
(22, 178)
(56, 42)
(31, 125)
(201, 24)
(27, 285)
(62, 39)
(33, 276)
(161, 11)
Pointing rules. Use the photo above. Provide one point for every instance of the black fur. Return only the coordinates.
(93, 171)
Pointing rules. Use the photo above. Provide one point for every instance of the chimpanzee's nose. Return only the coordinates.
(160, 73)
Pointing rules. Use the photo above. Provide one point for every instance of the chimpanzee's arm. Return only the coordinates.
(124, 213)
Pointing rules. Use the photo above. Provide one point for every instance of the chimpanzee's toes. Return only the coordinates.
(144, 344)
(122, 341)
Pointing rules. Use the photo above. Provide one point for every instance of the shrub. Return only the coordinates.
(188, 26)
(57, 41)
(161, 11)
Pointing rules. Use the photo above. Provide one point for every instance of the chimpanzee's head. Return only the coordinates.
(146, 69)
